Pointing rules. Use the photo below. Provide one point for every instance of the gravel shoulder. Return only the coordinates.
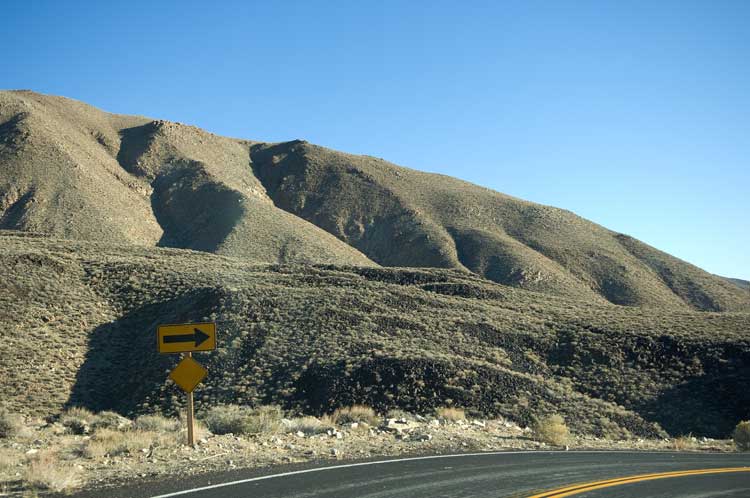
(160, 458)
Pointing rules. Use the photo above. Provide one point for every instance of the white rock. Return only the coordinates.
(32, 451)
(478, 423)
(299, 434)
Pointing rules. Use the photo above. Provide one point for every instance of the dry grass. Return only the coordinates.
(450, 414)
(741, 436)
(108, 442)
(551, 430)
(356, 413)
(9, 459)
(45, 471)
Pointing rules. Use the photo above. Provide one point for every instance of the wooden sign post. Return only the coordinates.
(186, 338)
(190, 414)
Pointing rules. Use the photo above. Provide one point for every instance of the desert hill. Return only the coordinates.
(72, 171)
(79, 318)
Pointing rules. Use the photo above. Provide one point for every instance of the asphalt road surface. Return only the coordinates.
(483, 475)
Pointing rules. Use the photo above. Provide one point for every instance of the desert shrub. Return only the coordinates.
(741, 436)
(551, 430)
(243, 420)
(11, 424)
(229, 419)
(110, 420)
(356, 413)
(77, 420)
(45, 471)
(156, 423)
(682, 442)
(452, 414)
(309, 425)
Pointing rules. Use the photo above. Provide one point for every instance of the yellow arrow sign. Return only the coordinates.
(186, 337)
(188, 374)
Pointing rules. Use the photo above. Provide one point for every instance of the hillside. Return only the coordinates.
(743, 284)
(72, 171)
(79, 320)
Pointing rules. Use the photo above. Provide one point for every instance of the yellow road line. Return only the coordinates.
(590, 486)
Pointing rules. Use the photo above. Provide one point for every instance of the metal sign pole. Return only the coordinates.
(190, 414)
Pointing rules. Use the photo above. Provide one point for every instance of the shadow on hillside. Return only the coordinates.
(195, 211)
(708, 405)
(134, 142)
(122, 369)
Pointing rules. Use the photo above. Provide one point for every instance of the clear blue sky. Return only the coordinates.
(634, 114)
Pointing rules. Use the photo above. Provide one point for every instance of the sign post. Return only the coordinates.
(187, 338)
(190, 414)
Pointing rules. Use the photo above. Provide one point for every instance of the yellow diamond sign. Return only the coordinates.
(188, 374)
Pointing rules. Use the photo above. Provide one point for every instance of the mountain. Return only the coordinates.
(79, 321)
(72, 171)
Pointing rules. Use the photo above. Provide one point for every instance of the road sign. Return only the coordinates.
(188, 374)
(186, 337)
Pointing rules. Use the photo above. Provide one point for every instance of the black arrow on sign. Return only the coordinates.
(198, 336)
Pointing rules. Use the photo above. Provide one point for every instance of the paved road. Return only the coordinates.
(510, 474)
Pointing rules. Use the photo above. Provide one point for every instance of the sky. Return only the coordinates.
(633, 114)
